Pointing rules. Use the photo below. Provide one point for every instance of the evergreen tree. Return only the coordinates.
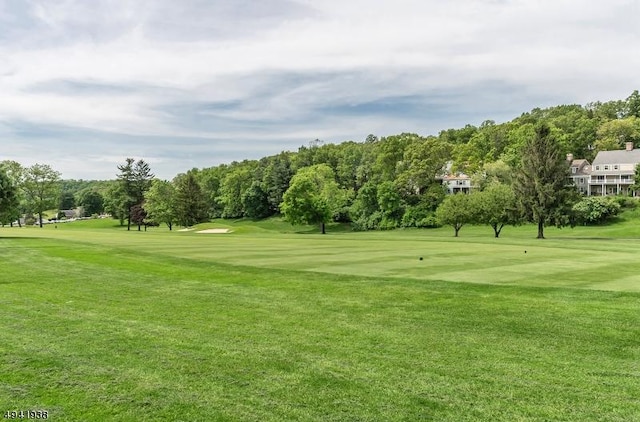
(135, 179)
(191, 207)
(125, 195)
(543, 186)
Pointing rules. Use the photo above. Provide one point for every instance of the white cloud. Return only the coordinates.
(210, 72)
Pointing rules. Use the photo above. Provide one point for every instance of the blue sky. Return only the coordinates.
(195, 83)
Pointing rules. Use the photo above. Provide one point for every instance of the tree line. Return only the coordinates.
(379, 183)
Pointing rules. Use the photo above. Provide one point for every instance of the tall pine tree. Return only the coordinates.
(543, 185)
(190, 206)
(135, 180)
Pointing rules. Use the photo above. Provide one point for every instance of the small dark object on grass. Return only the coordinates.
(420, 258)
(525, 251)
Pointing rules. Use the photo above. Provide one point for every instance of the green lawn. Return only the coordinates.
(272, 323)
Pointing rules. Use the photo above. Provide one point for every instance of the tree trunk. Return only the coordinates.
(40, 219)
(170, 226)
(540, 229)
(456, 229)
(497, 229)
(322, 228)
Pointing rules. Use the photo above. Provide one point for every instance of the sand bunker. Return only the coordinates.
(215, 231)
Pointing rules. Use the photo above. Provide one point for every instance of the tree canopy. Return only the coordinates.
(41, 186)
(8, 199)
(385, 182)
(313, 196)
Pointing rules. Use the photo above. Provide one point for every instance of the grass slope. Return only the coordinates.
(104, 324)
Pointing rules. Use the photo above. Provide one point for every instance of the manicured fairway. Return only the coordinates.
(101, 324)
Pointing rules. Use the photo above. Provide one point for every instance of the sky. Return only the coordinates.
(85, 84)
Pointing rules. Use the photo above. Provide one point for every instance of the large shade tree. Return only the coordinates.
(313, 196)
(91, 201)
(15, 172)
(160, 203)
(543, 182)
(496, 206)
(41, 186)
(456, 211)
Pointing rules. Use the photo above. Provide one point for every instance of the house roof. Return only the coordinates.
(618, 157)
(583, 167)
(69, 213)
(460, 176)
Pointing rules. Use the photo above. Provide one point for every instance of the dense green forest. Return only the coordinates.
(376, 183)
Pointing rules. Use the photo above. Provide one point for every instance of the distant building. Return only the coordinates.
(454, 182)
(457, 183)
(612, 171)
(68, 214)
(580, 172)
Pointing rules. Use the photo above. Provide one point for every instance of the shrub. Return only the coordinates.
(342, 215)
(387, 224)
(596, 209)
(414, 215)
(430, 222)
(626, 202)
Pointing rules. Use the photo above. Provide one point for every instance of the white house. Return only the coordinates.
(612, 171)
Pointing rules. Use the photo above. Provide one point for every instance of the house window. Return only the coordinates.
(573, 169)
(624, 177)
(581, 180)
(597, 167)
(616, 167)
(606, 167)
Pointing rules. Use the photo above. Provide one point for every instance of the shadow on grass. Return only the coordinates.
(329, 229)
(22, 238)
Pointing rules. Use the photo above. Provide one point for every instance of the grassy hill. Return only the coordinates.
(273, 322)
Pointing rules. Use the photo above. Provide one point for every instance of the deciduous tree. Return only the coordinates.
(160, 203)
(496, 206)
(312, 197)
(456, 211)
(138, 215)
(91, 201)
(255, 201)
(8, 199)
(41, 186)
